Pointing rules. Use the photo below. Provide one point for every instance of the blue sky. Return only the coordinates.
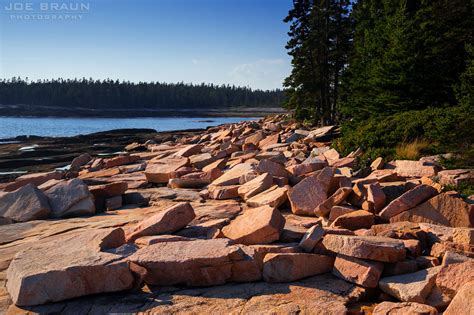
(238, 42)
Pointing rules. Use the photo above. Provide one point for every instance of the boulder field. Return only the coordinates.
(255, 217)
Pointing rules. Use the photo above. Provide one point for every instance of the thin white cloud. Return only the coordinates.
(200, 62)
(262, 73)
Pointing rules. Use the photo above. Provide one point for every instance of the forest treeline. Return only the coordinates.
(389, 71)
(110, 94)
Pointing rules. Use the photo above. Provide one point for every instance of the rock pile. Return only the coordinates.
(249, 202)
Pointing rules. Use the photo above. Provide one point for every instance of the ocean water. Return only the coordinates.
(58, 127)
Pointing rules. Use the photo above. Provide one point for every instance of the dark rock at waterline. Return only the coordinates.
(57, 152)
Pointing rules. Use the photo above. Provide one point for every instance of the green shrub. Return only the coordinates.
(446, 129)
(464, 189)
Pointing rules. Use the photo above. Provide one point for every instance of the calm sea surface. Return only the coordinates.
(57, 127)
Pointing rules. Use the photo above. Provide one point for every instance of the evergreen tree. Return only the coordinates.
(110, 94)
(319, 39)
(407, 55)
(465, 88)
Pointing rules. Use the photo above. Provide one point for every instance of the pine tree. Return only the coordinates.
(465, 88)
(112, 94)
(319, 39)
(408, 55)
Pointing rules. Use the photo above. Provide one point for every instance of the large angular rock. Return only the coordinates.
(189, 150)
(335, 199)
(404, 308)
(154, 239)
(375, 197)
(312, 237)
(408, 168)
(35, 179)
(183, 182)
(120, 160)
(218, 164)
(319, 133)
(69, 266)
(261, 250)
(274, 156)
(255, 138)
(289, 267)
(161, 171)
(401, 267)
(274, 196)
(307, 195)
(80, 161)
(164, 222)
(349, 162)
(246, 268)
(50, 183)
(261, 225)
(440, 249)
(223, 192)
(108, 190)
(201, 160)
(437, 233)
(463, 302)
(194, 263)
(24, 204)
(365, 273)
(358, 195)
(315, 295)
(308, 166)
(451, 257)
(231, 176)
(366, 247)
(337, 211)
(113, 203)
(70, 198)
(377, 164)
(456, 177)
(272, 168)
(355, 220)
(463, 236)
(331, 155)
(408, 200)
(411, 287)
(437, 299)
(452, 277)
(447, 209)
(102, 173)
(272, 139)
(255, 186)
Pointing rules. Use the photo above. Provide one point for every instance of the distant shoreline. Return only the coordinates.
(61, 112)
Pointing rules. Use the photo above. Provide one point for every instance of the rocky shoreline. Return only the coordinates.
(42, 154)
(253, 217)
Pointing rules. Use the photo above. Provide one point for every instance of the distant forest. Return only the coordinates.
(110, 94)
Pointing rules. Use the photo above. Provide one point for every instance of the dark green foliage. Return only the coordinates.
(407, 55)
(465, 88)
(319, 42)
(407, 74)
(382, 58)
(464, 189)
(447, 129)
(111, 94)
